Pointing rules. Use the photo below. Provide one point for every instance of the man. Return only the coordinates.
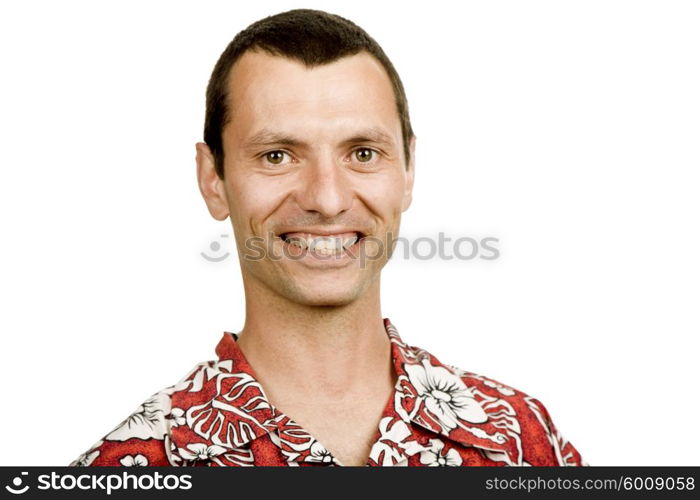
(309, 150)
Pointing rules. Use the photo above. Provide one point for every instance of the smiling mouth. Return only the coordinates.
(334, 244)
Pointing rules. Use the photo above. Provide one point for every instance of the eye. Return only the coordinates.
(364, 155)
(275, 157)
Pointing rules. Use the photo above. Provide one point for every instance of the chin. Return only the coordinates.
(329, 294)
(325, 299)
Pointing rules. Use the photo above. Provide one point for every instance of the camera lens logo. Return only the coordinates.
(215, 246)
(17, 483)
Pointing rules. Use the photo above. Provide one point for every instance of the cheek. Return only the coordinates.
(385, 195)
(252, 202)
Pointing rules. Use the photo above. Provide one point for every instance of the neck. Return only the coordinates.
(333, 352)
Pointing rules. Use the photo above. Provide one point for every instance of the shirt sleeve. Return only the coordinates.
(142, 439)
(564, 452)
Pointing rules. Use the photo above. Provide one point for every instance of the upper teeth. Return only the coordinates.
(323, 244)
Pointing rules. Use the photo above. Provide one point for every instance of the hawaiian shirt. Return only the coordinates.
(438, 415)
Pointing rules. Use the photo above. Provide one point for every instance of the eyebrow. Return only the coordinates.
(267, 137)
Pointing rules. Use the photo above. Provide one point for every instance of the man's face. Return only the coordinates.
(313, 158)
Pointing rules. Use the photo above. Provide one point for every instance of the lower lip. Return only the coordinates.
(310, 258)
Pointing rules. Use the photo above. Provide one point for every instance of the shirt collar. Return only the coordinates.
(223, 406)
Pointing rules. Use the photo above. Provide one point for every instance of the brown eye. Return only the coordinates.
(275, 157)
(364, 154)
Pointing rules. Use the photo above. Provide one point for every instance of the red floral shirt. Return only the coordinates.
(439, 415)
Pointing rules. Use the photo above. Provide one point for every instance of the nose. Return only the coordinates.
(325, 188)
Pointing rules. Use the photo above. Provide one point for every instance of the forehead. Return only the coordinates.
(265, 89)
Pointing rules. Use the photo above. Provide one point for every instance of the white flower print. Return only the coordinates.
(396, 433)
(134, 461)
(147, 422)
(389, 448)
(444, 395)
(318, 453)
(434, 457)
(200, 451)
(177, 417)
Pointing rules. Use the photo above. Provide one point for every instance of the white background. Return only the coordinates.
(568, 130)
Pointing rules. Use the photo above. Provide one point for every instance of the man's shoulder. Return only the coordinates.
(489, 391)
(475, 382)
(521, 416)
(143, 438)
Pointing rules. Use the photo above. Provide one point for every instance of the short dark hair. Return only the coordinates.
(313, 37)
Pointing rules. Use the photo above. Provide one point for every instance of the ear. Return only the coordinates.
(210, 185)
(410, 174)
